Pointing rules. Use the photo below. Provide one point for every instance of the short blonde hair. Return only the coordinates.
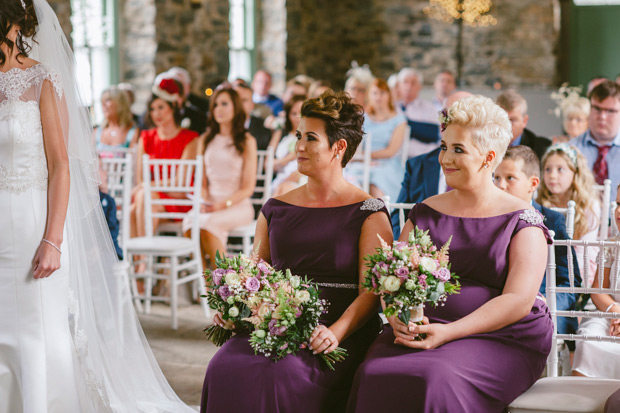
(489, 124)
(579, 106)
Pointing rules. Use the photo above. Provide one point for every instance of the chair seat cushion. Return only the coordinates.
(566, 394)
(245, 230)
(160, 244)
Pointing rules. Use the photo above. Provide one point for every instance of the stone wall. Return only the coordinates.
(324, 36)
(272, 38)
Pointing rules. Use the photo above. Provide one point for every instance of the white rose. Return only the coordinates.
(260, 333)
(391, 283)
(302, 295)
(410, 284)
(233, 311)
(232, 278)
(428, 264)
(295, 281)
(231, 299)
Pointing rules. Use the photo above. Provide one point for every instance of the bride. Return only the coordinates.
(69, 338)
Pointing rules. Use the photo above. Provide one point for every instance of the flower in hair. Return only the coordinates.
(564, 147)
(564, 96)
(167, 89)
(444, 119)
(23, 4)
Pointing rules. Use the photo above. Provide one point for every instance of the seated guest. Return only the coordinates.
(322, 230)
(600, 358)
(519, 175)
(516, 106)
(166, 140)
(118, 130)
(488, 344)
(317, 88)
(575, 114)
(109, 209)
(254, 124)
(294, 87)
(229, 176)
(386, 128)
(423, 175)
(192, 117)
(444, 85)
(566, 177)
(416, 109)
(261, 85)
(357, 83)
(600, 144)
(285, 163)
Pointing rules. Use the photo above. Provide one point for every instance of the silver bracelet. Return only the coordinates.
(610, 305)
(53, 245)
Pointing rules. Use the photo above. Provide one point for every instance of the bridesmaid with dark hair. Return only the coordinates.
(322, 229)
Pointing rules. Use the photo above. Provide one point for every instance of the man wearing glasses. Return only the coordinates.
(601, 142)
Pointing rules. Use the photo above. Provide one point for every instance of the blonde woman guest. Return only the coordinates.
(599, 358)
(386, 127)
(566, 177)
(488, 344)
(575, 115)
(230, 173)
(118, 129)
(323, 229)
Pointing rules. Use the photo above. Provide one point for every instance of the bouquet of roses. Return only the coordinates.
(408, 275)
(284, 315)
(229, 287)
(280, 309)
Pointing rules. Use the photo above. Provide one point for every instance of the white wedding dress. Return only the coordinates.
(36, 362)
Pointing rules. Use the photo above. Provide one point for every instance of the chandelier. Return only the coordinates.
(472, 12)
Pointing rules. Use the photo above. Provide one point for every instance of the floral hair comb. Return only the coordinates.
(444, 119)
(565, 148)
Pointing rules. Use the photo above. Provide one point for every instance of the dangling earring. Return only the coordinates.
(486, 165)
(337, 156)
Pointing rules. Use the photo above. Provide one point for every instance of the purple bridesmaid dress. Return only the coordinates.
(478, 373)
(322, 243)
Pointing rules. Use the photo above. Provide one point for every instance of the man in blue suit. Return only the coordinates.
(519, 175)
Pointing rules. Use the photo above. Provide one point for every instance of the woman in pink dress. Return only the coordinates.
(230, 173)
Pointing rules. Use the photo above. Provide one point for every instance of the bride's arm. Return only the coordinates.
(527, 261)
(366, 303)
(47, 258)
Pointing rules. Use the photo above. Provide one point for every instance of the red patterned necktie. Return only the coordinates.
(600, 166)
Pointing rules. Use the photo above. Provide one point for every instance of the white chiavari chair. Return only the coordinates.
(264, 174)
(573, 394)
(605, 201)
(176, 259)
(615, 231)
(569, 215)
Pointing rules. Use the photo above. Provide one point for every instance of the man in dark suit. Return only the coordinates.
(254, 124)
(515, 105)
(519, 175)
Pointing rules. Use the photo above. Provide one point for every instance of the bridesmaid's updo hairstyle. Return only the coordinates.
(343, 119)
(488, 123)
(12, 12)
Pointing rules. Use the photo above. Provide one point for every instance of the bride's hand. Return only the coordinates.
(218, 320)
(46, 261)
(323, 340)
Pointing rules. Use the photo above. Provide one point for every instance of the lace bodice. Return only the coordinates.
(23, 165)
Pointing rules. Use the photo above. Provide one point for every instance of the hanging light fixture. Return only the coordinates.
(472, 12)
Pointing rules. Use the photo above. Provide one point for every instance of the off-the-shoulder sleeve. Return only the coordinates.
(532, 218)
(267, 210)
